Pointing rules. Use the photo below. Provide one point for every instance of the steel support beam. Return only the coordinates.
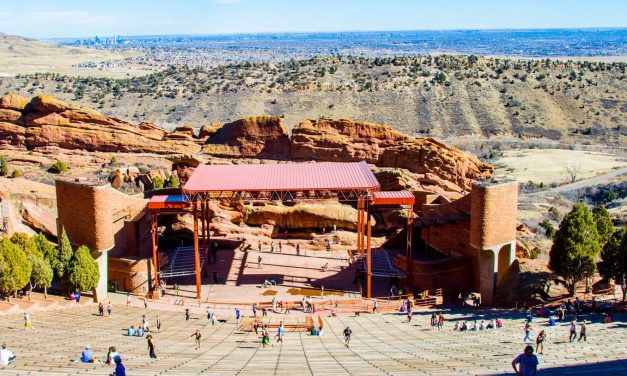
(196, 256)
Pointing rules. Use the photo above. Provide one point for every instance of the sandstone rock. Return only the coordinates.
(260, 136)
(152, 130)
(11, 134)
(347, 141)
(10, 116)
(45, 103)
(209, 130)
(13, 102)
(181, 133)
(522, 251)
(530, 280)
(303, 216)
(46, 121)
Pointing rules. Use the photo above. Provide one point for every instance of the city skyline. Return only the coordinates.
(71, 19)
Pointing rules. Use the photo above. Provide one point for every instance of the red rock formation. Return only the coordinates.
(259, 136)
(47, 121)
(209, 130)
(345, 140)
(13, 102)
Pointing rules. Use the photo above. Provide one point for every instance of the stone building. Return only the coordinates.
(113, 225)
(468, 244)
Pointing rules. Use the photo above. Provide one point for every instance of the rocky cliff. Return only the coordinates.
(259, 137)
(46, 121)
(346, 140)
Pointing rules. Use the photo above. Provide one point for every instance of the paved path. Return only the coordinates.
(381, 345)
(579, 184)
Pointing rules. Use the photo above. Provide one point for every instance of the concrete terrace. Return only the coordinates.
(382, 345)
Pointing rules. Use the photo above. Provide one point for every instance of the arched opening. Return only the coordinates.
(504, 261)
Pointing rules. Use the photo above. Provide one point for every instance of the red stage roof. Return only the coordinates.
(168, 202)
(282, 177)
(393, 198)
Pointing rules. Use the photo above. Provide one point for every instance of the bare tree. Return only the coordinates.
(573, 172)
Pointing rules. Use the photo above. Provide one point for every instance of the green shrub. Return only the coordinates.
(157, 183)
(58, 167)
(4, 166)
(16, 174)
(14, 267)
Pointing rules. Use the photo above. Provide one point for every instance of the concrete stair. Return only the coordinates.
(381, 344)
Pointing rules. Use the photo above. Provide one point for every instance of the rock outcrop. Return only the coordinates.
(14, 102)
(302, 216)
(259, 137)
(347, 141)
(430, 165)
(46, 121)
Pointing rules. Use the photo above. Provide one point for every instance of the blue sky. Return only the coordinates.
(65, 18)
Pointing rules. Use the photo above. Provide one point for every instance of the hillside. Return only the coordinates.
(19, 55)
(441, 96)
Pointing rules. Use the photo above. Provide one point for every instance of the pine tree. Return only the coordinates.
(65, 255)
(575, 247)
(83, 272)
(15, 267)
(41, 272)
(614, 256)
(604, 224)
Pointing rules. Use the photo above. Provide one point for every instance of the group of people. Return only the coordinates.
(437, 319)
(101, 309)
(492, 324)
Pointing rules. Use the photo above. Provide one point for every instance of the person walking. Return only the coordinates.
(27, 322)
(186, 314)
(280, 333)
(256, 327)
(298, 249)
(280, 247)
(145, 325)
(409, 315)
(128, 299)
(151, 346)
(540, 342)
(109, 308)
(259, 246)
(237, 314)
(375, 306)
(527, 363)
(255, 310)
(158, 323)
(197, 336)
(440, 321)
(347, 335)
(100, 310)
(582, 331)
(265, 337)
(271, 247)
(527, 331)
(259, 262)
(573, 331)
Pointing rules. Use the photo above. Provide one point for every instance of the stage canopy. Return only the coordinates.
(282, 177)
